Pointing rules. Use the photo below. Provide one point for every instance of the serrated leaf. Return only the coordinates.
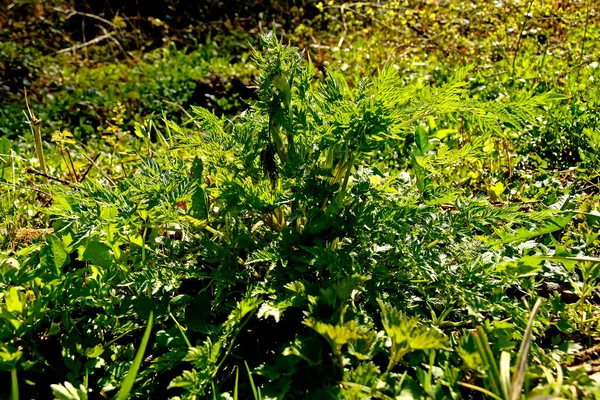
(186, 380)
(338, 335)
(270, 309)
(67, 391)
(406, 334)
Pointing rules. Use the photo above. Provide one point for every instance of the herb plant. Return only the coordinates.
(317, 240)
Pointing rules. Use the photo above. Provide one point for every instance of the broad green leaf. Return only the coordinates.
(296, 287)
(563, 255)
(366, 347)
(53, 255)
(5, 146)
(62, 203)
(186, 380)
(109, 212)
(496, 190)
(422, 141)
(273, 309)
(143, 306)
(524, 266)
(5, 167)
(15, 300)
(9, 357)
(98, 254)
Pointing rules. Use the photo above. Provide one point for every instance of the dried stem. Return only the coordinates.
(46, 176)
(36, 129)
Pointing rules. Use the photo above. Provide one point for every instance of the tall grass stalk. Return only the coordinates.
(139, 356)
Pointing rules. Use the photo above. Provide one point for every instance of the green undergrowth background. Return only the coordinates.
(299, 199)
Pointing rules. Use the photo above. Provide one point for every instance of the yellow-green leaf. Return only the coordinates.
(14, 300)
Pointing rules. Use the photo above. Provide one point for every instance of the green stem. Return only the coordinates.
(519, 39)
(72, 166)
(521, 368)
(232, 342)
(144, 242)
(276, 138)
(480, 389)
(36, 129)
(14, 385)
(127, 384)
(337, 353)
(395, 357)
(12, 164)
(415, 118)
(182, 330)
(37, 135)
(110, 342)
(587, 19)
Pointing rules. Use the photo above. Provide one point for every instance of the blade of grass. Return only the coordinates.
(137, 361)
(559, 377)
(574, 258)
(237, 381)
(505, 374)
(519, 375)
(255, 392)
(480, 389)
(483, 347)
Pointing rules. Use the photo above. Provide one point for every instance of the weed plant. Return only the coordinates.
(318, 241)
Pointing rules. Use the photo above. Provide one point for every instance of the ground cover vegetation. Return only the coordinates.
(302, 199)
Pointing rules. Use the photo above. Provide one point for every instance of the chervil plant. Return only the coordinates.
(296, 191)
(316, 238)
